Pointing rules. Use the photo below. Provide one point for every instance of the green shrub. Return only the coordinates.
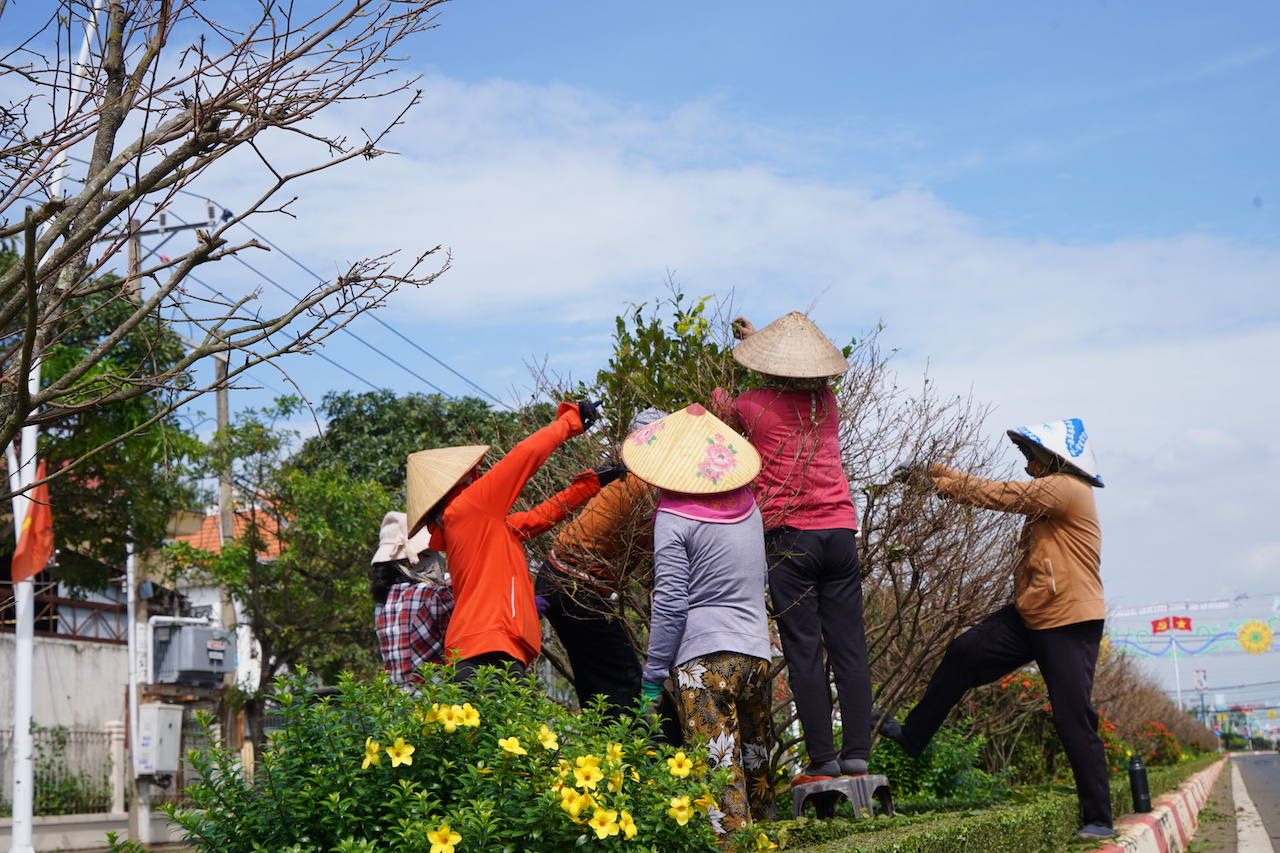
(947, 770)
(493, 766)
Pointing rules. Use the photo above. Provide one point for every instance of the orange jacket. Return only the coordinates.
(494, 610)
(610, 538)
(1057, 581)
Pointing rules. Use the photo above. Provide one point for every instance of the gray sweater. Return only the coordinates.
(708, 591)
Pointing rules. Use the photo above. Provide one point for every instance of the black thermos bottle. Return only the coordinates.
(1138, 784)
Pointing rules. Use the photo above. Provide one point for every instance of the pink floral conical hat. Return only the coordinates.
(691, 451)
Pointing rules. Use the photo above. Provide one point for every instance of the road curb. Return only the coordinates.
(1173, 818)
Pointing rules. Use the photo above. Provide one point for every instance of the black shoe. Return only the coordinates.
(1096, 832)
(817, 773)
(892, 729)
(853, 766)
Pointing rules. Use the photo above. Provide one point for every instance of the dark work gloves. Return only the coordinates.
(914, 474)
(589, 412)
(606, 474)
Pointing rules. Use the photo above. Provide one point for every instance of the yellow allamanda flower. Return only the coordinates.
(705, 803)
(614, 752)
(400, 752)
(587, 777)
(371, 756)
(450, 718)
(763, 843)
(615, 782)
(575, 803)
(512, 745)
(443, 838)
(627, 825)
(563, 768)
(679, 765)
(469, 716)
(548, 739)
(604, 822)
(587, 761)
(680, 810)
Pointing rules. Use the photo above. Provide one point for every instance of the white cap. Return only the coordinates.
(1064, 441)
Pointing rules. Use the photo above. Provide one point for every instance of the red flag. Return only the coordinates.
(1158, 625)
(1182, 623)
(35, 542)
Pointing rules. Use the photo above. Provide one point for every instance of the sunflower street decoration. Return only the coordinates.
(1255, 637)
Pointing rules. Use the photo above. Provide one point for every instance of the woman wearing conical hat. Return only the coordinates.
(810, 533)
(495, 620)
(708, 630)
(1057, 616)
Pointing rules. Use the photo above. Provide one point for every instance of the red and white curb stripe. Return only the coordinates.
(1168, 827)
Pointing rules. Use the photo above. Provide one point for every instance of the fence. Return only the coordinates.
(72, 771)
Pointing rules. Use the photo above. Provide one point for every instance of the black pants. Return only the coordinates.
(600, 652)
(816, 588)
(465, 669)
(1066, 656)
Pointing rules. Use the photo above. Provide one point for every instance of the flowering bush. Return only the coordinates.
(1116, 750)
(493, 766)
(1158, 745)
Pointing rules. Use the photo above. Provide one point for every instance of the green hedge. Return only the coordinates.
(1039, 820)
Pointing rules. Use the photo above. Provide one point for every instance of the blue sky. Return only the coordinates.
(1067, 210)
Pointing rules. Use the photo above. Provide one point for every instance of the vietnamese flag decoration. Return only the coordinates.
(1182, 623)
(35, 542)
(1159, 625)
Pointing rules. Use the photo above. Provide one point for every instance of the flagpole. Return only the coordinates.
(23, 794)
(1177, 671)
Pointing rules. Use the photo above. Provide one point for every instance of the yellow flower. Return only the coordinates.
(587, 777)
(450, 718)
(434, 714)
(371, 750)
(548, 739)
(400, 752)
(604, 822)
(627, 825)
(443, 838)
(763, 843)
(1255, 637)
(563, 768)
(470, 716)
(614, 752)
(705, 803)
(587, 761)
(512, 745)
(575, 803)
(680, 810)
(615, 782)
(680, 765)
(700, 770)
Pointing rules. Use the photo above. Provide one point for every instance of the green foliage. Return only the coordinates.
(947, 769)
(59, 790)
(667, 358)
(1116, 749)
(370, 435)
(130, 491)
(496, 763)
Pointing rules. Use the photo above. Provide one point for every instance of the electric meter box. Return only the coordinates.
(193, 654)
(158, 748)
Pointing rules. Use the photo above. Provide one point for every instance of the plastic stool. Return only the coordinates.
(826, 793)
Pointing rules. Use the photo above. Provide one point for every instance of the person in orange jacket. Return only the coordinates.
(495, 621)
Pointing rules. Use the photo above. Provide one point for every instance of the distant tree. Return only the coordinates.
(299, 571)
(370, 435)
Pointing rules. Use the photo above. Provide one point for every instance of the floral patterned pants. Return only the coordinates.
(724, 698)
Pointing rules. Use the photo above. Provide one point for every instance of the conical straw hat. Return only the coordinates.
(1061, 440)
(791, 346)
(691, 451)
(432, 473)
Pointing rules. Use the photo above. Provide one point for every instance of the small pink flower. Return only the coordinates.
(646, 433)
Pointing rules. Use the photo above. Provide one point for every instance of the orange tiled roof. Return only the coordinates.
(208, 538)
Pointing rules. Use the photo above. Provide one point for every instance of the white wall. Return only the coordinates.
(78, 684)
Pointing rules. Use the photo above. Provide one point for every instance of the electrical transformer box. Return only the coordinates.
(193, 654)
(158, 747)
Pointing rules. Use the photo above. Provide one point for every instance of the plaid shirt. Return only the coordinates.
(411, 627)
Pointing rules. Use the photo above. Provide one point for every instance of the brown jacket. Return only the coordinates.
(1057, 581)
(611, 536)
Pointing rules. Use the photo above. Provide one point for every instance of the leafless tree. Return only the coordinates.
(168, 91)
